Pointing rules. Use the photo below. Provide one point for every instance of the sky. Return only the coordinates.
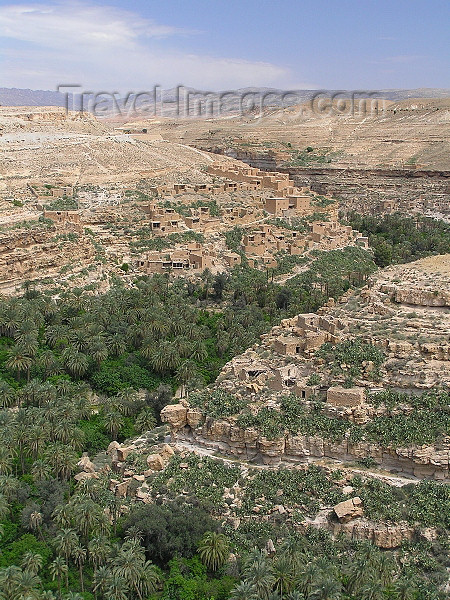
(133, 45)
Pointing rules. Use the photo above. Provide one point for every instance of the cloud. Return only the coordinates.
(104, 48)
(79, 23)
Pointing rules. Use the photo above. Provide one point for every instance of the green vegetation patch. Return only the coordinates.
(348, 357)
(399, 238)
(217, 403)
(202, 477)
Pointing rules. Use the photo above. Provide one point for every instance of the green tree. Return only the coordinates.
(58, 570)
(32, 562)
(214, 549)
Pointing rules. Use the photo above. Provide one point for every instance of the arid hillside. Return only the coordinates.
(410, 132)
(45, 143)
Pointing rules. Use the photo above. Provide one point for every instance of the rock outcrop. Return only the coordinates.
(227, 438)
(348, 510)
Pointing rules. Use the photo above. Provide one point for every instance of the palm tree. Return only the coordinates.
(149, 579)
(199, 351)
(385, 569)
(65, 543)
(32, 562)
(19, 361)
(113, 421)
(214, 549)
(116, 344)
(117, 588)
(101, 580)
(308, 576)
(73, 596)
(6, 461)
(58, 569)
(79, 557)
(62, 515)
(99, 549)
(187, 372)
(327, 589)
(98, 350)
(373, 590)
(35, 522)
(260, 575)
(40, 470)
(6, 394)
(295, 595)
(27, 584)
(405, 590)
(282, 571)
(9, 486)
(244, 591)
(358, 574)
(49, 363)
(75, 362)
(89, 517)
(145, 421)
(37, 438)
(4, 507)
(165, 357)
(126, 401)
(128, 566)
(62, 458)
(9, 580)
(28, 342)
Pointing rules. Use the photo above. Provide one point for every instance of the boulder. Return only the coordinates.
(155, 462)
(123, 452)
(175, 415)
(85, 464)
(112, 447)
(166, 452)
(349, 509)
(143, 496)
(121, 489)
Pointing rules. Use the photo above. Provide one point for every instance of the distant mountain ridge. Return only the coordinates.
(27, 97)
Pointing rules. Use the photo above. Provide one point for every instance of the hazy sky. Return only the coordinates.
(225, 44)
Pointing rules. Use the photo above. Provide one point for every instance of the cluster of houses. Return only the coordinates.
(167, 220)
(192, 258)
(271, 194)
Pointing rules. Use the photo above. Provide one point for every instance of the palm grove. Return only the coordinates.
(77, 371)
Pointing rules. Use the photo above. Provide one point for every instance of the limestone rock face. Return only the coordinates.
(420, 297)
(349, 509)
(194, 417)
(175, 415)
(382, 535)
